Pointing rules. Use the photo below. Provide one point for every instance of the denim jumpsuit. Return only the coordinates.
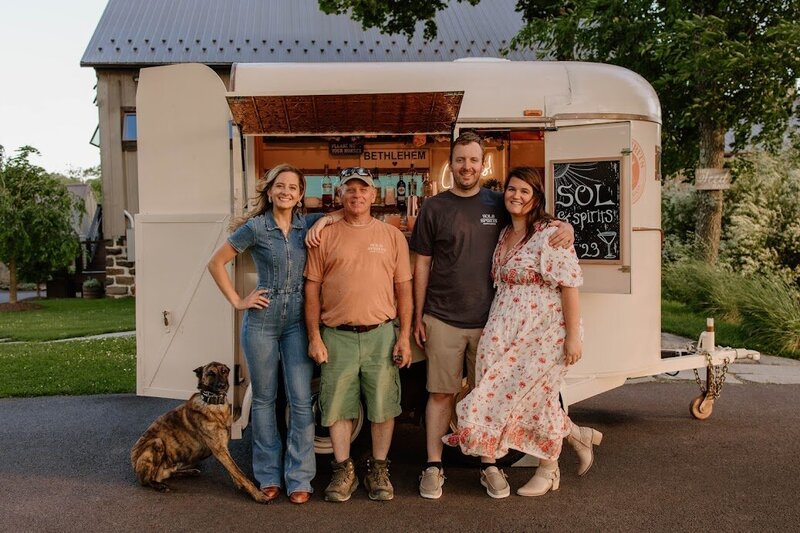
(277, 335)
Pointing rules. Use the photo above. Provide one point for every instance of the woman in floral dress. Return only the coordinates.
(533, 334)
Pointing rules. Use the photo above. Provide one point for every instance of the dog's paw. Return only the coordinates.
(260, 497)
(160, 487)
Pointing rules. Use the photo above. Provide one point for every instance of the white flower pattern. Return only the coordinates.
(520, 361)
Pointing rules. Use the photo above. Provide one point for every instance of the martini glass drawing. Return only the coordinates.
(608, 237)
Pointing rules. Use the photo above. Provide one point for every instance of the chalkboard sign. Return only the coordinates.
(587, 195)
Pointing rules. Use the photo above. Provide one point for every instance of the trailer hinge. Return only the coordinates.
(625, 268)
(626, 151)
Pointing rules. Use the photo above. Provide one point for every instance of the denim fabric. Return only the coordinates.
(277, 336)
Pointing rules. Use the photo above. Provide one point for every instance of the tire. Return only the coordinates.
(322, 436)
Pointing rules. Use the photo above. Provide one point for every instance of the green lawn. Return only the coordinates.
(678, 319)
(71, 368)
(69, 317)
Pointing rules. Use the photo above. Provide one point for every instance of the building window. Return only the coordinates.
(129, 127)
(95, 140)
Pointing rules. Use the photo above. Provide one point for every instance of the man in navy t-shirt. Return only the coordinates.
(454, 239)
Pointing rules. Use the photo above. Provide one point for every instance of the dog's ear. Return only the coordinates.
(199, 372)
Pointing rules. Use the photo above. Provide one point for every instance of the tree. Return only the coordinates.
(36, 235)
(719, 66)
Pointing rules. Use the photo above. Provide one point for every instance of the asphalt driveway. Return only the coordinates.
(64, 467)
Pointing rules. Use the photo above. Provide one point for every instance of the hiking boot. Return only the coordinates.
(377, 480)
(431, 482)
(343, 481)
(495, 482)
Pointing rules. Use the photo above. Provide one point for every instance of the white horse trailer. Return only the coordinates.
(594, 131)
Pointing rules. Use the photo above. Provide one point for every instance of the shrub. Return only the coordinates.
(761, 232)
(767, 307)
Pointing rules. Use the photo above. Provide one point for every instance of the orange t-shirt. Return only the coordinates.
(358, 267)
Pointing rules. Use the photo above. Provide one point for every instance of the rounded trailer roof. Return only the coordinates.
(492, 88)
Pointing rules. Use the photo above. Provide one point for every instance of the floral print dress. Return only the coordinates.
(520, 362)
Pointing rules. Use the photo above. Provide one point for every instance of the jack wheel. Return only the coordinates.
(701, 408)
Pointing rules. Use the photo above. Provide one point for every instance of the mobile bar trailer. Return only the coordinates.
(592, 129)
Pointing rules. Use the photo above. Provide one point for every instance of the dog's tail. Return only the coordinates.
(146, 458)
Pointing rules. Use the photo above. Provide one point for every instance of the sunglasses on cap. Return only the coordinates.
(355, 171)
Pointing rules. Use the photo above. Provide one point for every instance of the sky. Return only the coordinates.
(46, 98)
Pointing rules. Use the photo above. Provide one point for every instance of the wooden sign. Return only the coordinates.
(587, 195)
(376, 156)
(712, 179)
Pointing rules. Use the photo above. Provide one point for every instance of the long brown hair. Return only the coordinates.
(532, 177)
(263, 203)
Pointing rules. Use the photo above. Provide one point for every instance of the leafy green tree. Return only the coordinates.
(36, 234)
(718, 66)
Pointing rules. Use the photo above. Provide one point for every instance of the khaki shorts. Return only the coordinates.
(359, 363)
(445, 349)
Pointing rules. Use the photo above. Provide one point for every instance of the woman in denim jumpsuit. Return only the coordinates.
(273, 329)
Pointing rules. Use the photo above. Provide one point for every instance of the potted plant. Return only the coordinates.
(92, 288)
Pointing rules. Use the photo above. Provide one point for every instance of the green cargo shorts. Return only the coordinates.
(359, 363)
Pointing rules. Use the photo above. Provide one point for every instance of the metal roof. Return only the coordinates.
(135, 33)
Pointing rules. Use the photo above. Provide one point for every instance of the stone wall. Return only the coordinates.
(120, 273)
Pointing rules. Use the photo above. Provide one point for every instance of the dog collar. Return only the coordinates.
(212, 398)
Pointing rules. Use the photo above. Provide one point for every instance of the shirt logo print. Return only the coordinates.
(488, 220)
(376, 248)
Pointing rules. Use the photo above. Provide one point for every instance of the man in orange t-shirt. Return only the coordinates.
(357, 282)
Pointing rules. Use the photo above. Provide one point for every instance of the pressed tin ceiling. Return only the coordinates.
(400, 113)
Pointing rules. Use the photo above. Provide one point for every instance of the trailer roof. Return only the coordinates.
(134, 33)
(498, 90)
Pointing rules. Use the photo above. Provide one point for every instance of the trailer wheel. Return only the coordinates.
(701, 407)
(322, 436)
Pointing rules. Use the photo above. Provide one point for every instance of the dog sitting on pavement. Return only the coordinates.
(178, 440)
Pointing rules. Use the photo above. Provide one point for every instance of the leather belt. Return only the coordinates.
(360, 329)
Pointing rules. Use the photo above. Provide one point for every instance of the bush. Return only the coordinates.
(761, 231)
(767, 307)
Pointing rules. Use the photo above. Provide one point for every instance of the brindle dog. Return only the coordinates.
(181, 438)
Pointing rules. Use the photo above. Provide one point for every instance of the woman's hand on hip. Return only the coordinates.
(255, 300)
(573, 350)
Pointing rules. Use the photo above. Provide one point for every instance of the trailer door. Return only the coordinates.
(587, 173)
(186, 193)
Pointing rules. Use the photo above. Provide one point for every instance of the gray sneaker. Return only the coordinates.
(495, 482)
(431, 482)
(377, 480)
(343, 482)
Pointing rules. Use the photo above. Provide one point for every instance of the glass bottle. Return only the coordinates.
(376, 180)
(401, 193)
(427, 185)
(327, 190)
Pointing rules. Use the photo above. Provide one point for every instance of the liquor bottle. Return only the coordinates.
(401, 193)
(327, 190)
(412, 185)
(337, 201)
(427, 185)
(378, 198)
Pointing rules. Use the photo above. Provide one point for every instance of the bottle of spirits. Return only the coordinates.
(427, 185)
(327, 190)
(412, 185)
(401, 193)
(378, 197)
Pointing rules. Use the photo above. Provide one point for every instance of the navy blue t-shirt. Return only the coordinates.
(460, 235)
